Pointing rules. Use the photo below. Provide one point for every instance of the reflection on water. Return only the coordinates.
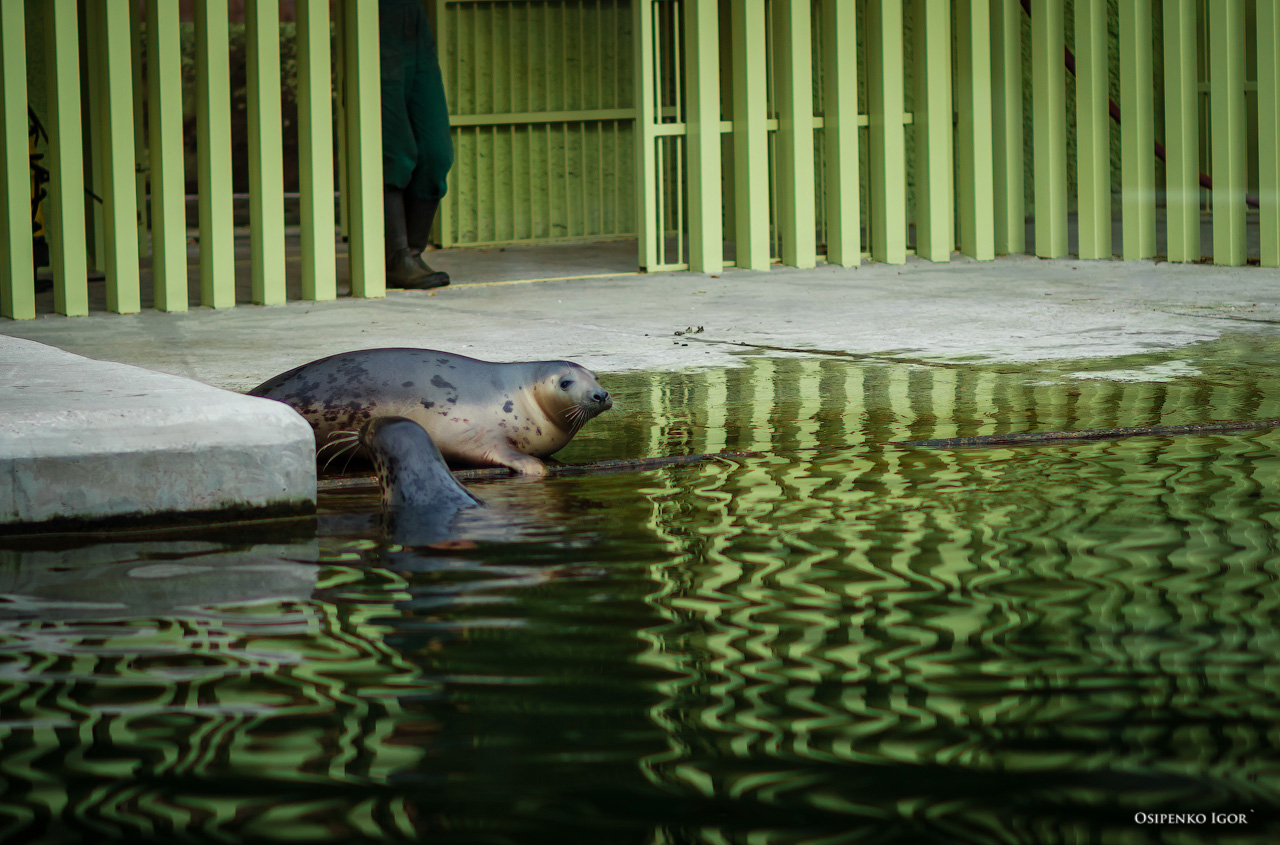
(841, 640)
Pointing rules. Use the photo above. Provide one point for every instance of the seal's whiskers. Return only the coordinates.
(577, 417)
(351, 453)
(342, 442)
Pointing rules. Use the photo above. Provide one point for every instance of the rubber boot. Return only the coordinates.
(420, 215)
(403, 271)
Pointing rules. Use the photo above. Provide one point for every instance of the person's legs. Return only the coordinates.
(429, 118)
(399, 146)
(404, 269)
(420, 216)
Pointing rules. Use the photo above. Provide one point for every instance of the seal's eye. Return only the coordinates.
(565, 384)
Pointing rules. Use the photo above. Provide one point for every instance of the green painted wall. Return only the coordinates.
(541, 101)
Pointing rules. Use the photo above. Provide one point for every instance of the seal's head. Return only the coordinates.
(411, 471)
(570, 396)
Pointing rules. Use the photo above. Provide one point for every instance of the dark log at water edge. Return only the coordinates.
(1046, 438)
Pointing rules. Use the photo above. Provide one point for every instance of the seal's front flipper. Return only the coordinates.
(502, 455)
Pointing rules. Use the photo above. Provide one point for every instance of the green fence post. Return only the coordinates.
(364, 147)
(1268, 23)
(315, 150)
(115, 120)
(975, 168)
(64, 210)
(266, 151)
(888, 204)
(1137, 132)
(1049, 107)
(1006, 127)
(702, 77)
(168, 185)
(647, 229)
(213, 129)
(935, 198)
(1093, 130)
(793, 76)
(1181, 131)
(840, 128)
(17, 269)
(750, 137)
(1226, 85)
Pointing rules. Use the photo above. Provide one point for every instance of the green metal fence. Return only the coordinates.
(90, 57)
(918, 129)
(716, 132)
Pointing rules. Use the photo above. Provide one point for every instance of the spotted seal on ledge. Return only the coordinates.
(479, 413)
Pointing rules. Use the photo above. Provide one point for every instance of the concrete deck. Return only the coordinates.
(1015, 309)
(84, 440)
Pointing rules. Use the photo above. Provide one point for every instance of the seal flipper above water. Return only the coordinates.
(411, 471)
(420, 497)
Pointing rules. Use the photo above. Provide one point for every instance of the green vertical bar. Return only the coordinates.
(139, 126)
(1182, 130)
(935, 199)
(793, 75)
(702, 76)
(168, 187)
(840, 115)
(64, 210)
(364, 145)
(266, 151)
(1049, 126)
(315, 150)
(647, 229)
(1226, 86)
(1093, 130)
(888, 157)
(1006, 127)
(213, 131)
(1137, 132)
(975, 168)
(115, 119)
(17, 269)
(750, 137)
(1268, 23)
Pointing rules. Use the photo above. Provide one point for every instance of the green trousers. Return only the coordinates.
(417, 147)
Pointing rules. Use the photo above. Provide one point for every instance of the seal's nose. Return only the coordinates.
(601, 397)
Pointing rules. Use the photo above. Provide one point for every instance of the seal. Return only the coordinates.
(479, 413)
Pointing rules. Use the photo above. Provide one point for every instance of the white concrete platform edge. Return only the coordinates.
(85, 440)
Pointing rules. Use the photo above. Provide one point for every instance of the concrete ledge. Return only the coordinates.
(85, 440)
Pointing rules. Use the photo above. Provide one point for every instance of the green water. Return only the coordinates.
(841, 640)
